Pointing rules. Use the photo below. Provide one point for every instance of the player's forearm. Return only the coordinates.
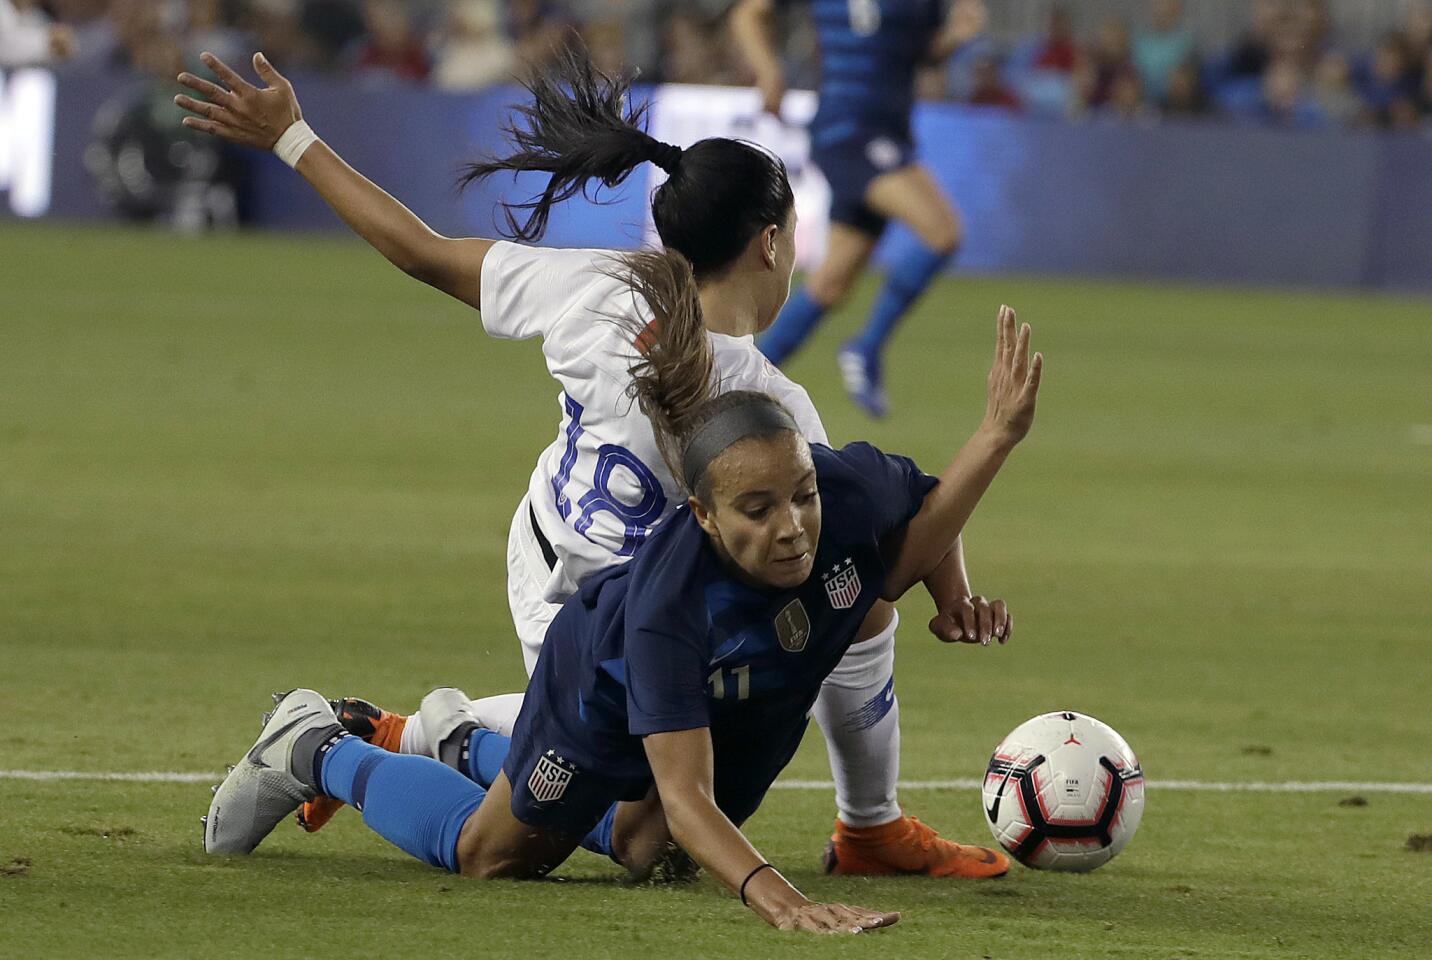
(751, 28)
(947, 509)
(949, 582)
(372, 213)
(722, 850)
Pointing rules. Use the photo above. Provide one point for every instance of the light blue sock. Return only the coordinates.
(797, 319)
(600, 839)
(906, 280)
(413, 802)
(486, 751)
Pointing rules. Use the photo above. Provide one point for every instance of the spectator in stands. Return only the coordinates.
(1254, 50)
(1424, 98)
(277, 29)
(1333, 90)
(28, 37)
(1285, 101)
(1417, 32)
(1388, 86)
(606, 43)
(1186, 96)
(331, 29)
(1105, 64)
(989, 89)
(1313, 26)
(536, 28)
(1161, 46)
(1058, 51)
(391, 48)
(1127, 102)
(689, 51)
(208, 28)
(472, 50)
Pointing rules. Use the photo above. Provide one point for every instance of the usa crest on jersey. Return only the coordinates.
(550, 777)
(842, 585)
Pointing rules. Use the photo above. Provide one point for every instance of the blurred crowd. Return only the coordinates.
(1289, 67)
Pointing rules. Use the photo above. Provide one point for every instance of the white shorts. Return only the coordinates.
(527, 575)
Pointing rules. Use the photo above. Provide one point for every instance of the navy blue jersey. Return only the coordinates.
(672, 641)
(869, 51)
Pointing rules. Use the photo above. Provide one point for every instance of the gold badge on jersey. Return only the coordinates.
(793, 627)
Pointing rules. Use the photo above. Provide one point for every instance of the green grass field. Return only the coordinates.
(235, 465)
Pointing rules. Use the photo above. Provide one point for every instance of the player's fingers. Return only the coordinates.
(211, 111)
(266, 70)
(1031, 381)
(969, 620)
(1020, 362)
(1001, 340)
(226, 73)
(1008, 629)
(214, 127)
(986, 621)
(946, 629)
(206, 88)
(999, 614)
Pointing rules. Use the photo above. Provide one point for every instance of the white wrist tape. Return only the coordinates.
(294, 141)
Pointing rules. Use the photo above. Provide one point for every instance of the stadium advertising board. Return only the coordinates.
(684, 114)
(27, 133)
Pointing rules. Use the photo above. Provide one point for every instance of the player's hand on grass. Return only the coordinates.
(974, 620)
(834, 918)
(1013, 384)
(238, 111)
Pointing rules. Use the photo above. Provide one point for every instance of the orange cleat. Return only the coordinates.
(907, 846)
(362, 719)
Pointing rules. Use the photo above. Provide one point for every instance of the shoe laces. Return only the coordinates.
(923, 833)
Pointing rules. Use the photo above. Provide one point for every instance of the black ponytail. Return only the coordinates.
(581, 126)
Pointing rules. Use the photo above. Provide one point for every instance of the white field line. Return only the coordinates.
(1288, 786)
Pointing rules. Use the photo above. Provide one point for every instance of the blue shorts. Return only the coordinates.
(849, 162)
(567, 767)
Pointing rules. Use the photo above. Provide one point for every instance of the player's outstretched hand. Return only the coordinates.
(974, 620)
(835, 918)
(238, 111)
(1013, 385)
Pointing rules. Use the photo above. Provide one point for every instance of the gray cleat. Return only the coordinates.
(260, 789)
(442, 712)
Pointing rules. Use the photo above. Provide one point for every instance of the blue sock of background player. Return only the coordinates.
(801, 315)
(905, 281)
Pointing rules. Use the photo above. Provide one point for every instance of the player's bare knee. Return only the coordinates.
(829, 289)
(944, 238)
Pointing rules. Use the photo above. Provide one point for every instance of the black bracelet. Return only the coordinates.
(763, 866)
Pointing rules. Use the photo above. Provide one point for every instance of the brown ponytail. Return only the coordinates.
(673, 380)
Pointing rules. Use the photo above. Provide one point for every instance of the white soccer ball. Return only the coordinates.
(1063, 792)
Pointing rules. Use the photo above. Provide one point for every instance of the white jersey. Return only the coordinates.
(602, 486)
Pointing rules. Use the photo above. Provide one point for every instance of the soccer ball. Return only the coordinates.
(1063, 792)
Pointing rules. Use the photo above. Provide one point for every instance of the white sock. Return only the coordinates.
(860, 717)
(414, 739)
(494, 713)
(499, 713)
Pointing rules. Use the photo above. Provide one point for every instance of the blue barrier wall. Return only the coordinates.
(1210, 203)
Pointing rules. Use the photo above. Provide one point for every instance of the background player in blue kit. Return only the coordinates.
(679, 682)
(861, 141)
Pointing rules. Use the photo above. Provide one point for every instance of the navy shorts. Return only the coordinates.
(849, 163)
